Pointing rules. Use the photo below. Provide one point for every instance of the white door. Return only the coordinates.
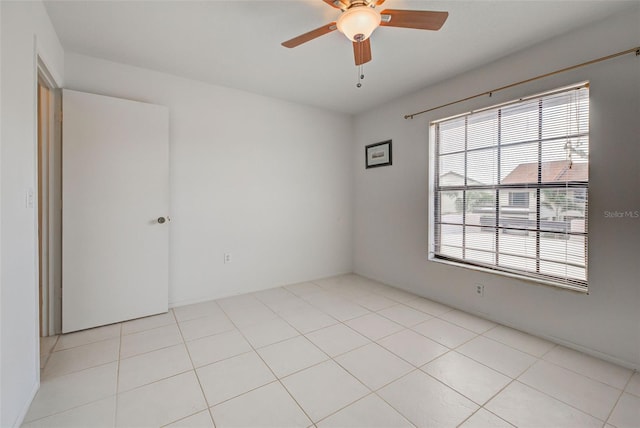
(115, 200)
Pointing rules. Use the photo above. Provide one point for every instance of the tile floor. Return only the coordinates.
(339, 352)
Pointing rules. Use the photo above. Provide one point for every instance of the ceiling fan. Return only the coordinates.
(359, 19)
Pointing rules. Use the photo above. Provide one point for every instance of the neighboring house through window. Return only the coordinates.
(510, 188)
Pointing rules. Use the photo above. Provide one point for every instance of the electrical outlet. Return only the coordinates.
(227, 258)
(480, 290)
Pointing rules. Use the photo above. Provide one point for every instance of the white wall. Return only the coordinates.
(25, 28)
(391, 203)
(267, 180)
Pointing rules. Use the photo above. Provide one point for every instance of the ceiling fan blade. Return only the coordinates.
(303, 38)
(338, 4)
(419, 19)
(362, 51)
(379, 2)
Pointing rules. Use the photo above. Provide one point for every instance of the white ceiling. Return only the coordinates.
(237, 43)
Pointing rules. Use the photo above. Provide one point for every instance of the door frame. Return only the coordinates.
(49, 191)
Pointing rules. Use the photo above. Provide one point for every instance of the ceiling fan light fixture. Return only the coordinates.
(358, 23)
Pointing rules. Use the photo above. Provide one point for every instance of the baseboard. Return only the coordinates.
(592, 352)
(185, 302)
(567, 344)
(553, 339)
(558, 341)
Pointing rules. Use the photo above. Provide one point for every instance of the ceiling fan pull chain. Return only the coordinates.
(361, 66)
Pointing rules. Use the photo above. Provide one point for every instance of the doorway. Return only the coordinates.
(49, 194)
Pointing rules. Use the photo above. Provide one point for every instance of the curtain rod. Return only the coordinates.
(635, 50)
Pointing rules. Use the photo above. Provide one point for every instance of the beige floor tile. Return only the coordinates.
(374, 326)
(323, 389)
(339, 282)
(218, 347)
(337, 339)
(199, 420)
(404, 315)
(152, 366)
(526, 407)
(444, 332)
(425, 402)
(66, 392)
(412, 347)
(240, 302)
(268, 332)
(147, 323)
(205, 326)
(368, 412)
(251, 314)
(149, 340)
(350, 293)
(428, 306)
(268, 406)
(521, 341)
(337, 307)
(374, 302)
(626, 414)
(633, 387)
(373, 365)
(81, 357)
(234, 376)
(307, 319)
(303, 289)
(197, 310)
(161, 402)
(47, 343)
(589, 366)
(396, 294)
(554, 386)
(46, 348)
(499, 357)
(99, 414)
(485, 419)
(289, 304)
(84, 337)
(273, 295)
(291, 355)
(470, 378)
(468, 321)
(590, 396)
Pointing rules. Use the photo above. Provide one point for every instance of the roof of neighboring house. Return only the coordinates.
(553, 171)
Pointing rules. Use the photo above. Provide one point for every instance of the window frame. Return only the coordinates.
(578, 187)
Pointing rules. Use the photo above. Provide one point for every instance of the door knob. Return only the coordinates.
(161, 220)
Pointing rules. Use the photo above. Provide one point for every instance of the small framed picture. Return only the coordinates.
(378, 154)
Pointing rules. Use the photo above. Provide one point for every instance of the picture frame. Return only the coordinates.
(378, 154)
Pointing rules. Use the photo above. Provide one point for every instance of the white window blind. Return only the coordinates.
(511, 187)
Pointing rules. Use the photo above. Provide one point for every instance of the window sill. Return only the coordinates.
(534, 281)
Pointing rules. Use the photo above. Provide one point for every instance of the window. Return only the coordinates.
(519, 199)
(510, 188)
